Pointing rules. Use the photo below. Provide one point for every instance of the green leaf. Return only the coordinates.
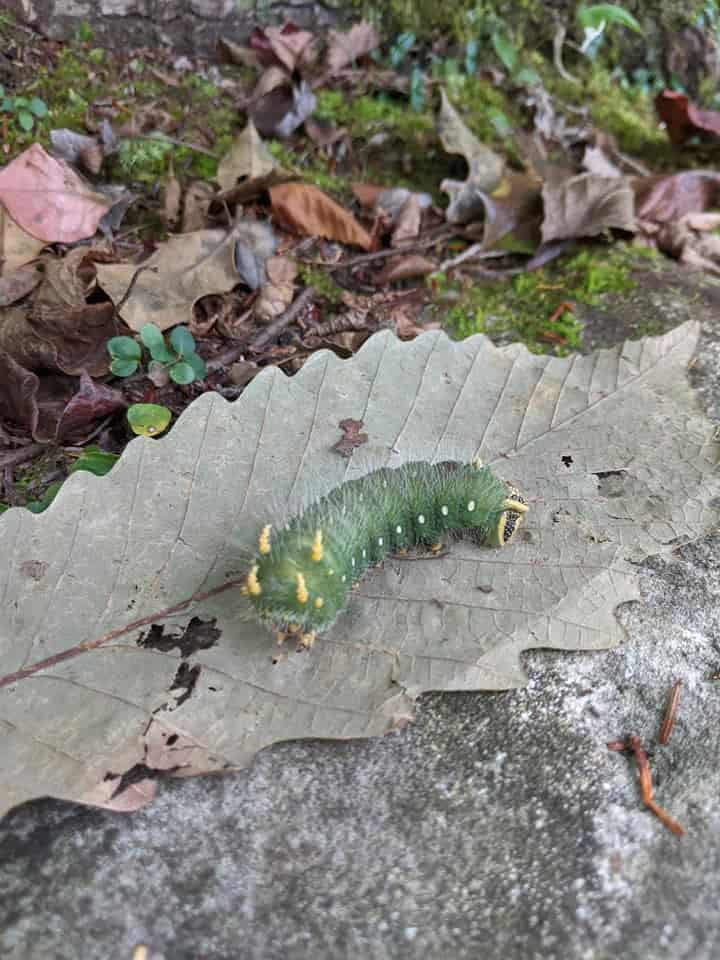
(505, 50)
(181, 372)
(527, 77)
(25, 120)
(154, 340)
(38, 107)
(123, 368)
(500, 122)
(198, 365)
(95, 460)
(124, 348)
(606, 13)
(182, 341)
(21, 102)
(148, 419)
(37, 506)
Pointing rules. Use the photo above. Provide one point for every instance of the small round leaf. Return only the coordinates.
(124, 348)
(148, 419)
(123, 368)
(25, 120)
(198, 365)
(182, 341)
(181, 372)
(38, 107)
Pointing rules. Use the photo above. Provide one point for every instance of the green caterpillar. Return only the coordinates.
(300, 579)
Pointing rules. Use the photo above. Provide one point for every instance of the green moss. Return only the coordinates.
(310, 171)
(143, 160)
(322, 283)
(521, 308)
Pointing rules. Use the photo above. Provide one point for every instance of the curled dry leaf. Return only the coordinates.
(280, 112)
(485, 166)
(277, 294)
(306, 209)
(586, 206)
(48, 199)
(683, 119)
(248, 157)
(513, 214)
(53, 408)
(198, 197)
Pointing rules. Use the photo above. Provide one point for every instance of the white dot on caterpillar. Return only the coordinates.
(421, 518)
(398, 529)
(444, 511)
(380, 541)
(343, 578)
(352, 561)
(471, 505)
(364, 553)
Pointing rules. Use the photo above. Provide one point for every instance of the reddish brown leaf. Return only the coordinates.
(405, 268)
(667, 198)
(48, 199)
(91, 402)
(306, 209)
(352, 437)
(683, 119)
(14, 286)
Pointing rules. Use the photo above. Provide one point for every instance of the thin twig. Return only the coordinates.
(271, 332)
(632, 742)
(71, 652)
(444, 233)
(474, 252)
(121, 303)
(670, 717)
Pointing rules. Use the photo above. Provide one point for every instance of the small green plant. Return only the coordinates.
(178, 358)
(25, 110)
(92, 460)
(148, 419)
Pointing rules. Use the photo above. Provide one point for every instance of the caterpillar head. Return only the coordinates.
(511, 517)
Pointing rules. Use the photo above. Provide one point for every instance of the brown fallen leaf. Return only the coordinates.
(198, 197)
(17, 246)
(405, 268)
(293, 50)
(48, 199)
(60, 338)
(345, 48)
(407, 224)
(17, 284)
(172, 199)
(248, 157)
(51, 407)
(181, 270)
(663, 199)
(306, 209)
(683, 119)
(586, 206)
(513, 214)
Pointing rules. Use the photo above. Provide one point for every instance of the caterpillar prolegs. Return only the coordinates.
(300, 579)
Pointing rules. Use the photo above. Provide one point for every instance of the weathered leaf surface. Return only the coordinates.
(611, 449)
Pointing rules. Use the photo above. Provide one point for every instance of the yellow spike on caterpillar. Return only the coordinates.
(252, 583)
(316, 551)
(302, 591)
(321, 553)
(264, 539)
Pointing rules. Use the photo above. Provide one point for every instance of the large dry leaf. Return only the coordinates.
(586, 206)
(305, 208)
(183, 269)
(611, 450)
(48, 199)
(346, 47)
